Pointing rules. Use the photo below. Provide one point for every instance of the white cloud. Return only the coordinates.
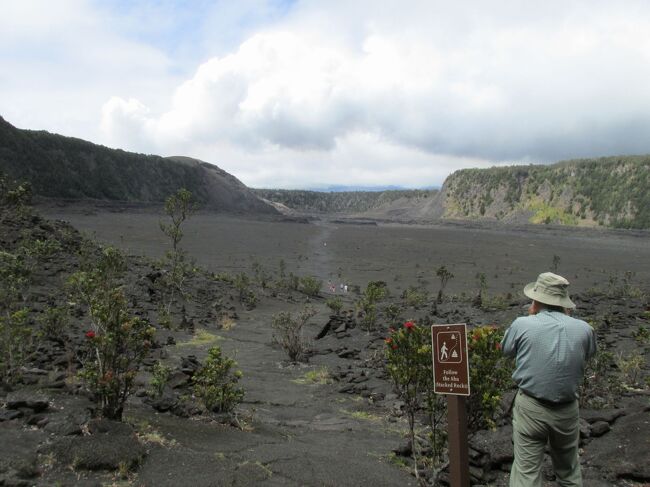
(340, 92)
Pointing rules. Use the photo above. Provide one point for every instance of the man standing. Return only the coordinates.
(550, 350)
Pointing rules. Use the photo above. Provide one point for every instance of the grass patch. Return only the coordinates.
(362, 415)
(319, 376)
(147, 434)
(227, 323)
(544, 213)
(399, 461)
(201, 338)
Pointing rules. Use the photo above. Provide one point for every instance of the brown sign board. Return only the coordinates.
(450, 360)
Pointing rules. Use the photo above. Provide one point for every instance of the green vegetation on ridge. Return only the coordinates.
(64, 167)
(611, 191)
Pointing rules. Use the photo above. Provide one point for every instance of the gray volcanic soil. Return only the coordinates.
(339, 433)
(401, 255)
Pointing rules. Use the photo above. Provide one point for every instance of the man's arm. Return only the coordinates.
(593, 347)
(509, 342)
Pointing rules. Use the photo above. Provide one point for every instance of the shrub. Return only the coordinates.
(310, 285)
(178, 207)
(159, 378)
(412, 296)
(489, 372)
(601, 387)
(444, 275)
(15, 335)
(288, 333)
(642, 335)
(15, 196)
(116, 342)
(630, 367)
(215, 383)
(393, 313)
(335, 304)
(260, 275)
(15, 280)
(54, 322)
(409, 366)
(376, 291)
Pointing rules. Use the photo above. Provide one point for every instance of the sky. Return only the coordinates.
(314, 93)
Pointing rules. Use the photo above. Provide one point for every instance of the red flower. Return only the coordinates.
(394, 347)
(90, 334)
(409, 325)
(476, 336)
(389, 340)
(498, 346)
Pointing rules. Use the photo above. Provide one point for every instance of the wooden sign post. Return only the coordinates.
(451, 377)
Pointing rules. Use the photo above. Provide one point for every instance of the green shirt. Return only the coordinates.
(550, 351)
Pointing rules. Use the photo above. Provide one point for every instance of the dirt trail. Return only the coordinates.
(298, 433)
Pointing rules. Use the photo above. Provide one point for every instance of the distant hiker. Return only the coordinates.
(550, 349)
(345, 288)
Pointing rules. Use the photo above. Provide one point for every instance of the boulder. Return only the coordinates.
(626, 452)
(608, 415)
(21, 400)
(112, 446)
(599, 428)
(496, 444)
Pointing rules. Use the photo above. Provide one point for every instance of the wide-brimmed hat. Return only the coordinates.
(550, 289)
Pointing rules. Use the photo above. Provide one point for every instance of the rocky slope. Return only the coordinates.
(609, 191)
(70, 168)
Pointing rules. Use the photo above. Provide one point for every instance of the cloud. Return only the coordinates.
(311, 93)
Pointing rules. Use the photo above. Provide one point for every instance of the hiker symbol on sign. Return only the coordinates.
(450, 350)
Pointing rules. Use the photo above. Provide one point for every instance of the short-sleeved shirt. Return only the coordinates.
(550, 351)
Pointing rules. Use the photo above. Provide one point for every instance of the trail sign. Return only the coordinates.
(450, 360)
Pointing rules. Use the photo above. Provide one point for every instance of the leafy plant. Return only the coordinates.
(159, 377)
(642, 335)
(630, 366)
(414, 297)
(393, 312)
(489, 372)
(310, 286)
(116, 342)
(288, 333)
(178, 207)
(601, 387)
(15, 335)
(16, 277)
(54, 322)
(409, 366)
(335, 304)
(445, 276)
(216, 382)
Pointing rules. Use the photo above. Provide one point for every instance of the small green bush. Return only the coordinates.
(54, 322)
(335, 304)
(310, 285)
(159, 378)
(601, 386)
(215, 383)
(414, 297)
(116, 342)
(288, 333)
(489, 372)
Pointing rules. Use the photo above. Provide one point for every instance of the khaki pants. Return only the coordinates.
(533, 425)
